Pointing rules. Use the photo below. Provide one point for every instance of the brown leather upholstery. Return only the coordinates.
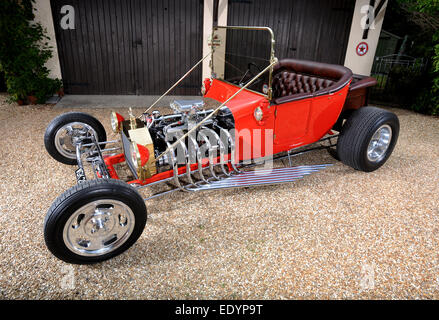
(299, 79)
(359, 82)
(358, 92)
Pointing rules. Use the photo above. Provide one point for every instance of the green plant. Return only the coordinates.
(425, 15)
(435, 88)
(404, 82)
(24, 51)
(410, 87)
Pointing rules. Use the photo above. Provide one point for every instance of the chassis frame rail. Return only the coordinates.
(221, 173)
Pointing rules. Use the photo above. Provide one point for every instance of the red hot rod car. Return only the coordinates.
(254, 116)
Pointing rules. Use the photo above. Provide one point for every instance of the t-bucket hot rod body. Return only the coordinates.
(248, 114)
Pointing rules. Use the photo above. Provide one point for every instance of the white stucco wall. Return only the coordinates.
(363, 64)
(43, 15)
(207, 30)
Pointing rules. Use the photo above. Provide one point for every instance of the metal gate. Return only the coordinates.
(388, 71)
(129, 46)
(304, 29)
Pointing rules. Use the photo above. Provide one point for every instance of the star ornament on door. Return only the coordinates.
(362, 48)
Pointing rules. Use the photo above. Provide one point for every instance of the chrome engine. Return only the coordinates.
(211, 140)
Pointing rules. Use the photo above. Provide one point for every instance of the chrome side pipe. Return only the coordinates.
(256, 178)
(238, 178)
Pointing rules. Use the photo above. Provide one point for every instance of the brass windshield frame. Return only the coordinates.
(269, 94)
(272, 62)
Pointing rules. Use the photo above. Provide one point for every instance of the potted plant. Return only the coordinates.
(24, 53)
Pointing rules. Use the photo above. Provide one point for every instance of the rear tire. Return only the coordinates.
(64, 129)
(94, 221)
(368, 138)
(333, 153)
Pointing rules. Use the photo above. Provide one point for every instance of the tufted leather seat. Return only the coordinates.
(299, 79)
(287, 83)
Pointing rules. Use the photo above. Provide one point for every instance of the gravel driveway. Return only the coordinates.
(333, 235)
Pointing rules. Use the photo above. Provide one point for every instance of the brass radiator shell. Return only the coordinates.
(142, 137)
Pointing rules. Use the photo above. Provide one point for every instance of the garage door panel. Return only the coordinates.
(304, 29)
(93, 56)
(168, 44)
(129, 47)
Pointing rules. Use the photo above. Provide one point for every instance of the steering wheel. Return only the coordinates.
(251, 74)
(249, 69)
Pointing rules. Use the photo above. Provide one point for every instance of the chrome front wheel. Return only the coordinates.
(99, 227)
(94, 221)
(67, 130)
(69, 135)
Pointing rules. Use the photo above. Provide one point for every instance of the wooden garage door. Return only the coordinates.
(129, 46)
(304, 29)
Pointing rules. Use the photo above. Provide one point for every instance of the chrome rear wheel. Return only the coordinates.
(367, 138)
(379, 143)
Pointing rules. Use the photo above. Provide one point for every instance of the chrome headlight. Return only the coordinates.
(135, 155)
(139, 155)
(258, 114)
(116, 122)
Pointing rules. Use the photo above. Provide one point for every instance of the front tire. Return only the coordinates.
(94, 221)
(368, 138)
(64, 131)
